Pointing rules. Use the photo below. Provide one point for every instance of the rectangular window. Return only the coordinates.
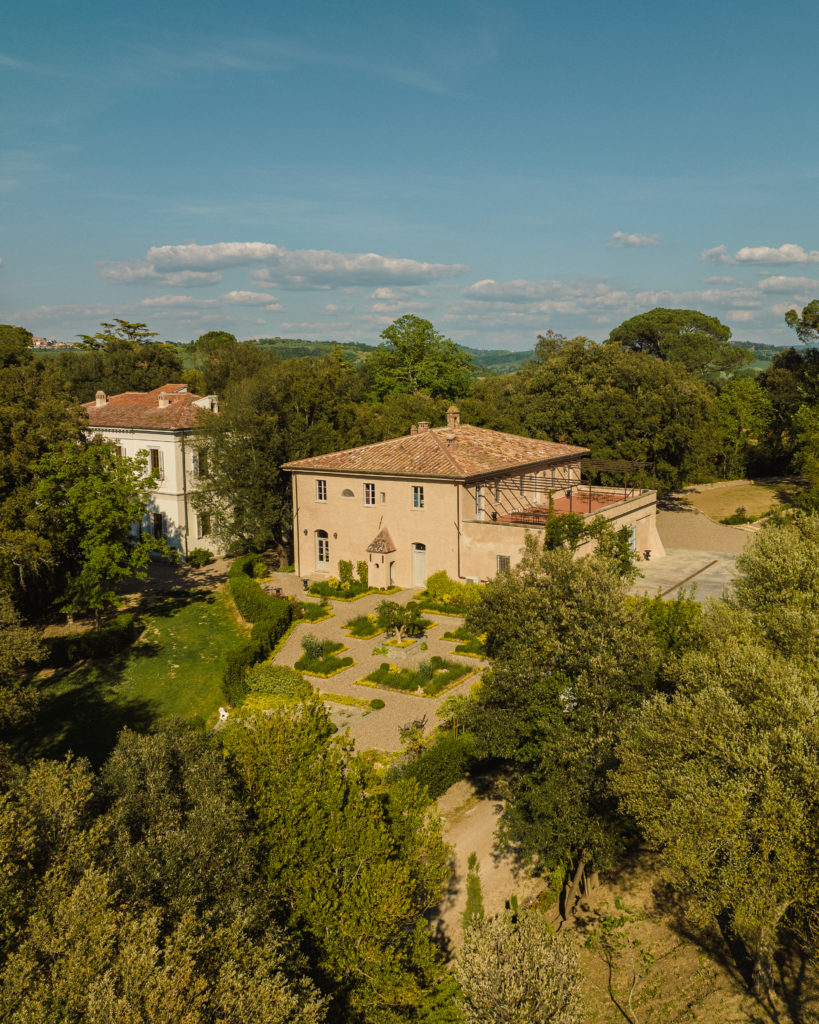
(321, 490)
(200, 464)
(504, 563)
(118, 450)
(155, 462)
(204, 524)
(369, 494)
(156, 524)
(417, 496)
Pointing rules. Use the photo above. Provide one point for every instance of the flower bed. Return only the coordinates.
(430, 678)
(309, 611)
(346, 590)
(468, 644)
(325, 665)
(364, 627)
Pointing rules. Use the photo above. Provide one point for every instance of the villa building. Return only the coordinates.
(159, 422)
(458, 498)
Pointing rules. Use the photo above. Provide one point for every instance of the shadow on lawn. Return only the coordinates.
(82, 709)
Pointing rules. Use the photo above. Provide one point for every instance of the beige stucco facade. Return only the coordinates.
(465, 527)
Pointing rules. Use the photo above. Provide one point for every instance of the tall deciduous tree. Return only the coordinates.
(90, 498)
(722, 778)
(118, 330)
(414, 358)
(355, 866)
(570, 658)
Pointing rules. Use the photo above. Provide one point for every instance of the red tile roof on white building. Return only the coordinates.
(169, 407)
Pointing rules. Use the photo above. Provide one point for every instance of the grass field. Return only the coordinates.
(757, 497)
(172, 669)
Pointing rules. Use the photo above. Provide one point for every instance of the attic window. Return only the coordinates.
(347, 493)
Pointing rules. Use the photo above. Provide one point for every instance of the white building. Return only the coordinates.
(159, 422)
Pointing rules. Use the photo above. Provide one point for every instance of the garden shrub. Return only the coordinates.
(279, 680)
(445, 594)
(312, 647)
(198, 557)
(363, 573)
(271, 617)
(112, 638)
(345, 571)
(319, 657)
(376, 703)
(248, 596)
(363, 627)
(309, 611)
(441, 765)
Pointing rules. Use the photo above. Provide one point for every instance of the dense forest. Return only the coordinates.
(270, 872)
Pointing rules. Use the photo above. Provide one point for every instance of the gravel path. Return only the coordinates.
(379, 729)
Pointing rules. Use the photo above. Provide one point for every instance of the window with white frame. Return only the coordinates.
(321, 490)
(369, 494)
(417, 496)
(504, 563)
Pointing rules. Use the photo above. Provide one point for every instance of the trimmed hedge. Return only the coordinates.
(113, 637)
(271, 617)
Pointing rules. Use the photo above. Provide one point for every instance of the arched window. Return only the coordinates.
(322, 551)
(347, 493)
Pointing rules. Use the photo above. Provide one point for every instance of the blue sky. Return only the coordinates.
(319, 169)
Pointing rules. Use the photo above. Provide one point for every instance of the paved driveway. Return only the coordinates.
(707, 573)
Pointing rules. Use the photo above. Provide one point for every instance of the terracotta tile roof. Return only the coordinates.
(455, 453)
(142, 409)
(383, 543)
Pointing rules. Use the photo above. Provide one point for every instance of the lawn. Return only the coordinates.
(757, 497)
(173, 668)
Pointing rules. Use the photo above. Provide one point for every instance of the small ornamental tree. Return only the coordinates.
(402, 619)
(517, 972)
(90, 498)
(363, 573)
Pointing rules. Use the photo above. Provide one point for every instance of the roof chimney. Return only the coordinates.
(414, 429)
(100, 399)
(164, 400)
(422, 426)
(453, 417)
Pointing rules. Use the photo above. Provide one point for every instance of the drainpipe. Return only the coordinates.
(185, 496)
(296, 531)
(458, 523)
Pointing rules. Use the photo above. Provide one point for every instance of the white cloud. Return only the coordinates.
(719, 254)
(621, 240)
(765, 254)
(169, 301)
(249, 298)
(142, 272)
(762, 255)
(742, 316)
(399, 292)
(720, 280)
(549, 296)
(782, 307)
(788, 285)
(300, 268)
